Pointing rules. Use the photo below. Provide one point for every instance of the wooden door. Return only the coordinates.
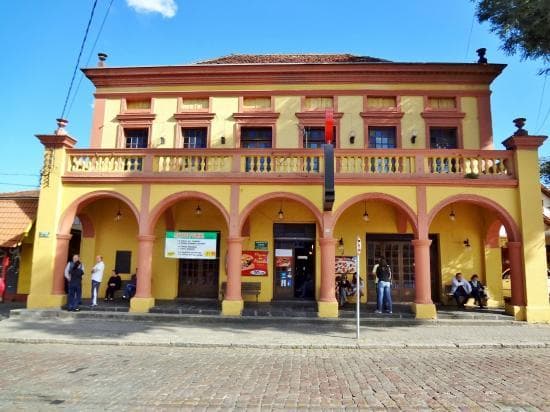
(198, 278)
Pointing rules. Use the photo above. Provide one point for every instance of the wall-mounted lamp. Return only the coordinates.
(222, 139)
(352, 138)
(365, 214)
(280, 213)
(413, 137)
(118, 215)
(162, 140)
(341, 245)
(198, 210)
(452, 215)
(466, 243)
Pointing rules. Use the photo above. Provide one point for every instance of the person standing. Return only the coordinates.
(75, 286)
(113, 285)
(384, 276)
(67, 273)
(97, 276)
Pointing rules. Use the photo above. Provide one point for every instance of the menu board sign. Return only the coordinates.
(254, 263)
(191, 245)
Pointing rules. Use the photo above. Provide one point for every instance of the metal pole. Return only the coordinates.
(358, 292)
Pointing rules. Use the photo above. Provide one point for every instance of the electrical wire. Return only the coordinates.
(17, 184)
(89, 57)
(541, 99)
(470, 36)
(78, 59)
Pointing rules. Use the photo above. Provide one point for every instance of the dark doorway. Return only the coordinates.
(74, 243)
(294, 261)
(399, 253)
(199, 278)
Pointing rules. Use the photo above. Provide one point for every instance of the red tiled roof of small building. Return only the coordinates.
(292, 58)
(17, 213)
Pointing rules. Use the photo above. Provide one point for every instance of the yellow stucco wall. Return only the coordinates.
(470, 123)
(164, 124)
(223, 124)
(110, 124)
(412, 122)
(287, 131)
(351, 122)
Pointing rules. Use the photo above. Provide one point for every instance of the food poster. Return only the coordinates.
(345, 265)
(283, 268)
(254, 263)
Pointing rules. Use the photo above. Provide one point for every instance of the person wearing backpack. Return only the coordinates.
(75, 286)
(384, 276)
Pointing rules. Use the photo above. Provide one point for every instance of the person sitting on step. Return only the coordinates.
(478, 291)
(461, 290)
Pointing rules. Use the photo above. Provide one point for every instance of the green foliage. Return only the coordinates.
(545, 170)
(522, 25)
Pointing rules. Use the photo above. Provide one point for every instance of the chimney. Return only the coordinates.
(102, 57)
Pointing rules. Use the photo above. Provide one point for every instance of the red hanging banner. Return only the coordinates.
(329, 125)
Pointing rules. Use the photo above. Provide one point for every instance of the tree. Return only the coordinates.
(545, 170)
(522, 25)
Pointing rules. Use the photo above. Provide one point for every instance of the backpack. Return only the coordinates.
(383, 273)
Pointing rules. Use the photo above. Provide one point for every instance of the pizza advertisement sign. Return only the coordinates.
(254, 263)
(345, 265)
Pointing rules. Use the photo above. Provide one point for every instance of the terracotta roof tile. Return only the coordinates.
(16, 217)
(291, 58)
(21, 194)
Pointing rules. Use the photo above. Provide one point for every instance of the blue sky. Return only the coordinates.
(41, 39)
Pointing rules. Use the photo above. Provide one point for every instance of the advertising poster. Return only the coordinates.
(254, 263)
(191, 245)
(345, 265)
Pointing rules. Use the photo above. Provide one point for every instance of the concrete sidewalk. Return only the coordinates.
(204, 331)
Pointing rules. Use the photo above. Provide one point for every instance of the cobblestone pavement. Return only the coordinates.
(53, 376)
(270, 333)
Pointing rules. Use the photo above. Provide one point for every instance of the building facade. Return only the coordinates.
(227, 157)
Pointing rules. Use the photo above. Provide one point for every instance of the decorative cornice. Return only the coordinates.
(194, 116)
(442, 114)
(55, 141)
(318, 114)
(136, 117)
(256, 116)
(524, 142)
(381, 114)
(457, 73)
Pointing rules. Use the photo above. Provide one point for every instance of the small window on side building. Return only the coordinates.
(443, 138)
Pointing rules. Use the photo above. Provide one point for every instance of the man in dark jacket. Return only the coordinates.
(113, 285)
(75, 286)
(384, 276)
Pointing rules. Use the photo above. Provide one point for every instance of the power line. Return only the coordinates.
(470, 37)
(78, 59)
(541, 99)
(89, 56)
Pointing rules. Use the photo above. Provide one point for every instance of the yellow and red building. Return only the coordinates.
(231, 149)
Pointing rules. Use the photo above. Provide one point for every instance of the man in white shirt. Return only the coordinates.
(461, 290)
(97, 276)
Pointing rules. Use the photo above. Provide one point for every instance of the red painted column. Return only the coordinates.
(145, 262)
(61, 258)
(516, 274)
(423, 287)
(328, 253)
(234, 253)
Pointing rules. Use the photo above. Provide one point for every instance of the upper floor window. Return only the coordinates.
(256, 103)
(314, 137)
(136, 138)
(194, 104)
(381, 102)
(318, 103)
(194, 137)
(443, 138)
(382, 138)
(442, 103)
(256, 137)
(141, 105)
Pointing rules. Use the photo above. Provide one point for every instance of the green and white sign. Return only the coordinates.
(191, 245)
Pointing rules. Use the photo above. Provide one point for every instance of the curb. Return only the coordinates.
(103, 342)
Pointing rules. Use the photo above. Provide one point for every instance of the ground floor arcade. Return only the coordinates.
(281, 241)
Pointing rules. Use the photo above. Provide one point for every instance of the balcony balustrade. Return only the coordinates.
(261, 164)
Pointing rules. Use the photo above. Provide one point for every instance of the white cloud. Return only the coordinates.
(167, 8)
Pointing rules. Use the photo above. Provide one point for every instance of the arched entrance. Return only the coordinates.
(387, 225)
(189, 256)
(467, 227)
(284, 228)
